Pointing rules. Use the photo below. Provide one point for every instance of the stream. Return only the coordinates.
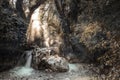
(77, 71)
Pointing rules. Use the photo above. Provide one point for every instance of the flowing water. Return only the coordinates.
(76, 72)
(26, 72)
(22, 71)
(28, 58)
(26, 69)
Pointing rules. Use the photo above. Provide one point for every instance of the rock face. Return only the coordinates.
(12, 36)
(48, 28)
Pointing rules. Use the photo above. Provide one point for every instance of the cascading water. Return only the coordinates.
(28, 58)
(26, 69)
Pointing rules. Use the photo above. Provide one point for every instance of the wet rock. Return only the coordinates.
(57, 63)
(47, 58)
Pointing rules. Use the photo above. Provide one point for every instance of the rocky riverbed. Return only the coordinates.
(76, 72)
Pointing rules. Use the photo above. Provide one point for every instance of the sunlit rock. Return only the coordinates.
(47, 58)
(57, 63)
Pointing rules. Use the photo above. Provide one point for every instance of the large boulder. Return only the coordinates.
(57, 63)
(47, 58)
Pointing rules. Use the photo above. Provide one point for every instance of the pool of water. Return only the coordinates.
(76, 72)
(22, 71)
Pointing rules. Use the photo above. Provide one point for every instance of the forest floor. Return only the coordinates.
(76, 72)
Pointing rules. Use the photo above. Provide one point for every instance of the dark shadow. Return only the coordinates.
(111, 16)
(20, 9)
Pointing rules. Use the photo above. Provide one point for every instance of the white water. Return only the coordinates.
(73, 67)
(22, 71)
(28, 58)
(26, 69)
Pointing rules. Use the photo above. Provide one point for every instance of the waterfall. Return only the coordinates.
(25, 69)
(28, 58)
